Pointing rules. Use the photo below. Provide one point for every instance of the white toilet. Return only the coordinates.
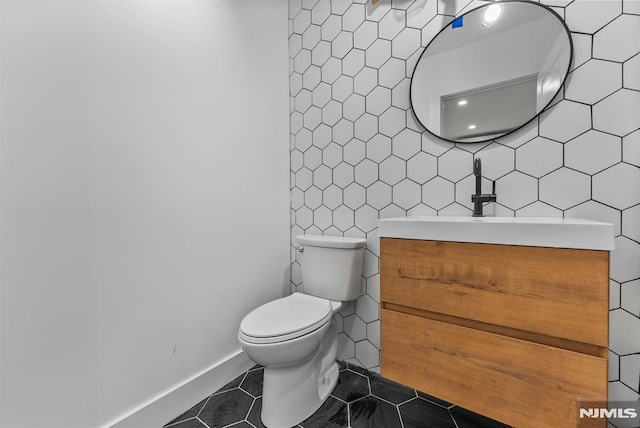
(295, 337)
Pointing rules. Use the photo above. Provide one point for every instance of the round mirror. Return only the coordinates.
(491, 71)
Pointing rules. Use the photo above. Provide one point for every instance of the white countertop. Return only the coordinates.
(528, 231)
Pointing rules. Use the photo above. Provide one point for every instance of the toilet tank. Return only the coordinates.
(331, 266)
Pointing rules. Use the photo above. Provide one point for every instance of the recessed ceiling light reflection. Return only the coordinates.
(491, 15)
(472, 127)
(462, 102)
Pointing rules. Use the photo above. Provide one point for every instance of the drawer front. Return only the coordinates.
(549, 291)
(523, 384)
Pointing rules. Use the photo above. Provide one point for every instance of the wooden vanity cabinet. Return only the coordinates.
(515, 333)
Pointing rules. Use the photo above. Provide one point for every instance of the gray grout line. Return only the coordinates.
(203, 423)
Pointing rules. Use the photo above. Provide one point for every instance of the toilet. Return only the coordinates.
(295, 338)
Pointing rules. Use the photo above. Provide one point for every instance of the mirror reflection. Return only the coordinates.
(491, 71)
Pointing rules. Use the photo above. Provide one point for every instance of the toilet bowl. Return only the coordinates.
(300, 368)
(295, 338)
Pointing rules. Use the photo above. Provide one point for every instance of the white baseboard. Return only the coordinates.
(170, 404)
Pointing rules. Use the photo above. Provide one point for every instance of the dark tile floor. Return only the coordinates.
(361, 399)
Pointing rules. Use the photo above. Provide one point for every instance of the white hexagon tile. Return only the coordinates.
(358, 154)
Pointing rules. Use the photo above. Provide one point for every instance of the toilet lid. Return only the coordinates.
(295, 313)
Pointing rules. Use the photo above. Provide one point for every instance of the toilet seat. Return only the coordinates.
(285, 319)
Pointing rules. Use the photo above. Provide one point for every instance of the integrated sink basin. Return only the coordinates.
(526, 231)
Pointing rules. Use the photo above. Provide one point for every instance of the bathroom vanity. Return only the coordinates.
(507, 317)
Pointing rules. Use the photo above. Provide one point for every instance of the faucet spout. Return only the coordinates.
(478, 198)
(477, 171)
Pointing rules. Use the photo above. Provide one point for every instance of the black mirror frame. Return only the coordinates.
(561, 87)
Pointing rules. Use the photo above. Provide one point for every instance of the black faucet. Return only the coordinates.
(478, 199)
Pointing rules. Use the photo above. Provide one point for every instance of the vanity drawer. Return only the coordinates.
(523, 384)
(554, 292)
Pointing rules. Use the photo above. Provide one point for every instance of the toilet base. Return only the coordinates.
(293, 393)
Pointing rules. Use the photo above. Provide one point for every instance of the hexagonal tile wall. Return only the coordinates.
(350, 76)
